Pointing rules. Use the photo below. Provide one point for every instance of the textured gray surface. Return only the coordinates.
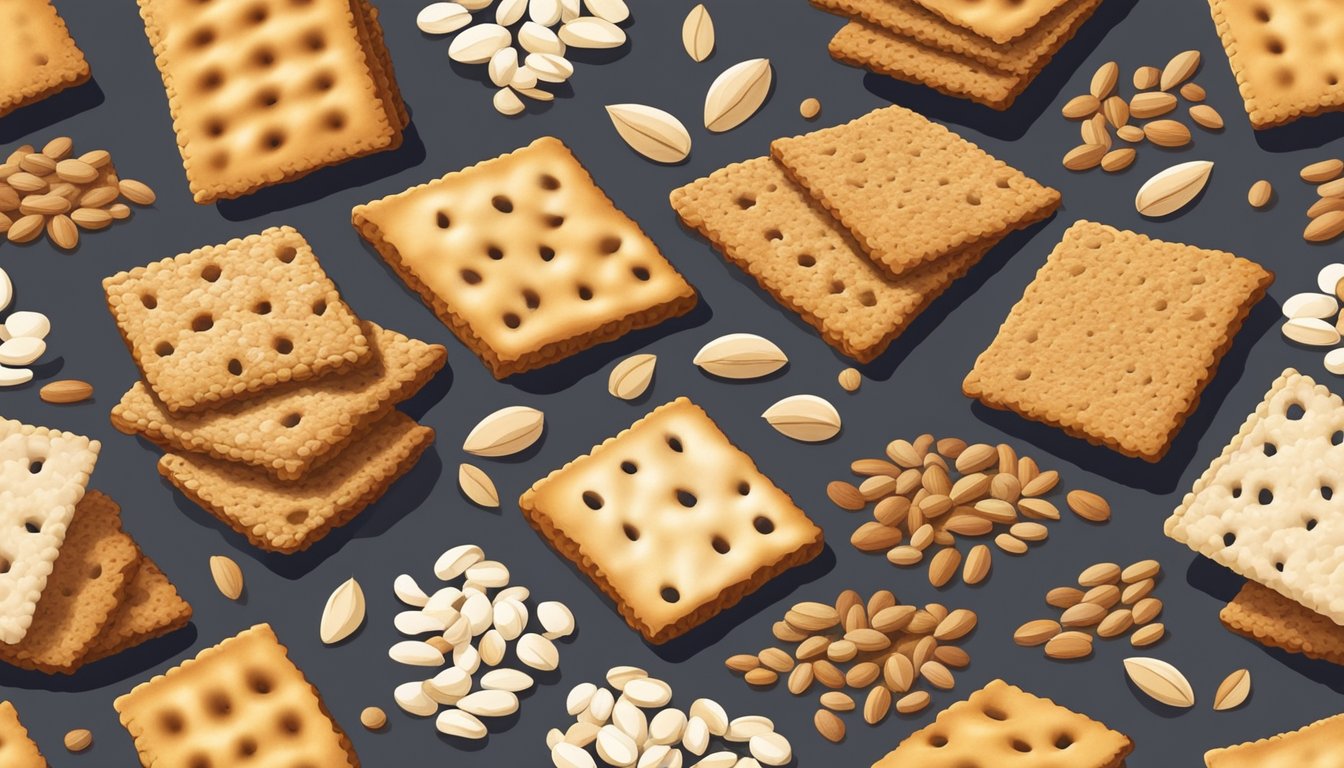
(915, 387)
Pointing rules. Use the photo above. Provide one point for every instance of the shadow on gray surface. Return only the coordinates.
(1303, 133)
(50, 111)
(104, 672)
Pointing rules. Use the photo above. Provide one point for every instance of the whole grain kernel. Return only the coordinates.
(1322, 171)
(1118, 159)
(1069, 645)
(1082, 615)
(831, 727)
(944, 566)
(1144, 569)
(776, 659)
(78, 739)
(978, 563)
(1088, 505)
(841, 651)
(837, 701)
(1036, 632)
(1105, 595)
(1064, 597)
(850, 379)
(1260, 193)
(1146, 610)
(863, 674)
(800, 679)
(761, 677)
(828, 674)
(810, 648)
(876, 705)
(913, 702)
(783, 630)
(1137, 591)
(1192, 92)
(1100, 573)
(1130, 133)
(373, 718)
(845, 495)
(1116, 623)
(1147, 77)
(742, 662)
(1010, 544)
(1147, 635)
(809, 108)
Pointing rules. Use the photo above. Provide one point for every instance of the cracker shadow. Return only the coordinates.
(329, 180)
(417, 405)
(1213, 579)
(50, 110)
(1303, 133)
(1153, 705)
(132, 662)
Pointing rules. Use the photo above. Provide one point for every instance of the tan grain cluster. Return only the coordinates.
(1109, 602)
(1326, 215)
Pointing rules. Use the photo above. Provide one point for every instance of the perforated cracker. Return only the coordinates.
(1287, 56)
(225, 320)
(293, 429)
(1117, 336)
(1265, 616)
(290, 516)
(1266, 507)
(243, 696)
(97, 563)
(999, 20)
(43, 473)
(910, 190)
(17, 750)
(269, 92)
(768, 226)
(671, 520)
(525, 258)
(38, 58)
(1310, 746)
(1003, 726)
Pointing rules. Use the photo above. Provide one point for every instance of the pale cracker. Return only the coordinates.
(43, 474)
(1264, 507)
(1312, 746)
(671, 520)
(17, 749)
(1265, 616)
(38, 57)
(226, 320)
(999, 20)
(525, 258)
(1124, 374)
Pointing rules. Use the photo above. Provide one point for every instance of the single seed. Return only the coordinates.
(373, 718)
(810, 108)
(78, 739)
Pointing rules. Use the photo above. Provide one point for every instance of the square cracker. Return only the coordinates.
(150, 608)
(84, 591)
(1264, 507)
(289, 517)
(292, 429)
(38, 57)
(227, 320)
(43, 473)
(525, 258)
(910, 190)
(1287, 56)
(244, 693)
(671, 520)
(1307, 747)
(999, 20)
(991, 727)
(1121, 373)
(274, 91)
(1265, 616)
(17, 750)
(767, 225)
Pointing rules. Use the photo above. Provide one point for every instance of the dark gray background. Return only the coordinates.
(915, 387)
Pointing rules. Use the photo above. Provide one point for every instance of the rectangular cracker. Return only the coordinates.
(998, 20)
(245, 690)
(987, 728)
(1287, 56)
(97, 563)
(43, 473)
(1268, 517)
(226, 320)
(910, 190)
(151, 608)
(525, 258)
(290, 430)
(289, 517)
(1124, 374)
(1317, 744)
(1265, 616)
(769, 227)
(38, 57)
(17, 750)
(671, 520)
(274, 92)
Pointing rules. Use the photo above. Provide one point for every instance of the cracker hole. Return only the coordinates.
(720, 545)
(1270, 449)
(235, 367)
(531, 298)
(1279, 566)
(807, 260)
(867, 299)
(631, 532)
(320, 307)
(585, 293)
(549, 182)
(1022, 374)
(324, 82)
(1327, 492)
(1337, 437)
(314, 40)
(296, 516)
(1262, 14)
(1274, 45)
(1295, 412)
(171, 722)
(773, 235)
(219, 160)
(5, 564)
(674, 443)
(95, 572)
(212, 80)
(259, 681)
(290, 723)
(511, 320)
(291, 420)
(837, 286)
(263, 57)
(502, 204)
(211, 273)
(943, 181)
(1196, 313)
(1021, 746)
(669, 594)
(1265, 497)
(610, 244)
(257, 14)
(745, 201)
(214, 128)
(1077, 269)
(217, 703)
(546, 252)
(641, 273)
(629, 467)
(972, 198)
(1160, 305)
(1064, 741)
(763, 524)
(151, 301)
(273, 140)
(282, 345)
(471, 276)
(685, 498)
(202, 37)
(261, 308)
(247, 747)
(994, 713)
(553, 221)
(268, 97)
(1311, 524)
(829, 151)
(1236, 491)
(163, 349)
(743, 488)
(1284, 77)
(286, 254)
(494, 253)
(592, 499)
(41, 59)
(32, 527)
(202, 323)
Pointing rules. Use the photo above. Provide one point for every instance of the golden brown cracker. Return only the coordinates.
(767, 225)
(290, 430)
(289, 516)
(671, 520)
(1265, 616)
(227, 320)
(150, 608)
(910, 190)
(17, 750)
(999, 20)
(1124, 374)
(38, 58)
(1312, 745)
(525, 258)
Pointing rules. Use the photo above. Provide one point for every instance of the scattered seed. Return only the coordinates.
(1322, 171)
(850, 380)
(809, 108)
(78, 739)
(373, 718)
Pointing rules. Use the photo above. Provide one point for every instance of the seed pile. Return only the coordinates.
(1103, 110)
(928, 493)
(469, 629)
(1314, 319)
(22, 337)
(629, 722)
(1326, 215)
(1109, 601)
(879, 646)
(56, 192)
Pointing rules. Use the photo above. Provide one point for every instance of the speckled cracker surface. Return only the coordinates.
(671, 520)
(43, 474)
(993, 726)
(768, 226)
(270, 92)
(150, 608)
(999, 20)
(525, 258)
(85, 589)
(1312, 746)
(910, 190)
(244, 691)
(290, 516)
(1265, 508)
(1265, 616)
(227, 320)
(17, 750)
(1124, 374)
(1287, 56)
(37, 55)
(293, 429)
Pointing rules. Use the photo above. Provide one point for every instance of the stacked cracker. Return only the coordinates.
(274, 401)
(987, 51)
(859, 227)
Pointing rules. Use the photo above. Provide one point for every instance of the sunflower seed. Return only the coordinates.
(1172, 189)
(505, 432)
(1160, 680)
(736, 94)
(651, 132)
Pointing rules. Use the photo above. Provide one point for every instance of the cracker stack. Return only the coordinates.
(987, 51)
(859, 227)
(274, 401)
